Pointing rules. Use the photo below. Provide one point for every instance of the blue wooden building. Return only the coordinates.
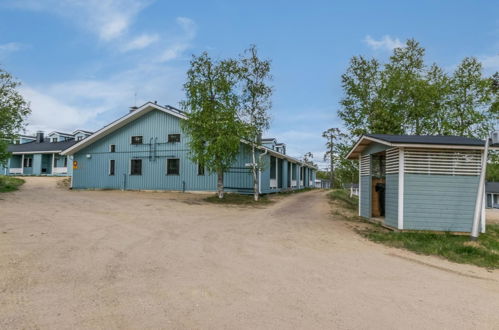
(40, 155)
(147, 150)
(419, 182)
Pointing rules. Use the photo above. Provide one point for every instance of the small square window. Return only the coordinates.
(111, 166)
(136, 167)
(112, 148)
(173, 166)
(54, 139)
(173, 138)
(200, 169)
(136, 139)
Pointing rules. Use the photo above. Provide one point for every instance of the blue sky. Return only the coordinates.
(82, 61)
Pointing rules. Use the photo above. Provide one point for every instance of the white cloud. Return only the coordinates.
(141, 42)
(180, 43)
(91, 104)
(490, 63)
(11, 47)
(109, 19)
(385, 43)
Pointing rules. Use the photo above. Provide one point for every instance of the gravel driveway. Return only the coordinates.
(112, 259)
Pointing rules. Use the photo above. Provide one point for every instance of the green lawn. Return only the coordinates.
(8, 183)
(457, 248)
(238, 199)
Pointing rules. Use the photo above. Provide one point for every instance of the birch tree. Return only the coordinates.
(212, 123)
(255, 104)
(332, 136)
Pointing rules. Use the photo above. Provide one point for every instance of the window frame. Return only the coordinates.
(137, 136)
(112, 148)
(112, 169)
(28, 161)
(177, 138)
(131, 167)
(168, 168)
(53, 139)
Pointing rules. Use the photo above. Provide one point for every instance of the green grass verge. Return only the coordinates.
(343, 196)
(8, 183)
(457, 248)
(238, 199)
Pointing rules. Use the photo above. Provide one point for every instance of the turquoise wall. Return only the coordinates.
(439, 202)
(93, 171)
(391, 200)
(365, 196)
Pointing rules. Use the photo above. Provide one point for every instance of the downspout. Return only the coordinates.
(260, 171)
(479, 195)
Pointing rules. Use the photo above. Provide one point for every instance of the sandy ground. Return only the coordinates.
(112, 259)
(492, 216)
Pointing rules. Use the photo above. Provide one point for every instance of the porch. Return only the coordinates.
(50, 164)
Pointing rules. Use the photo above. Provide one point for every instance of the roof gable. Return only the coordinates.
(121, 122)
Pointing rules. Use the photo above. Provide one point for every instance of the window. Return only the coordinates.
(173, 166)
(200, 169)
(28, 162)
(79, 138)
(136, 167)
(136, 139)
(112, 148)
(65, 162)
(54, 139)
(173, 138)
(111, 167)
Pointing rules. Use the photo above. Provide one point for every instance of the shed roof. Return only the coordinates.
(492, 187)
(35, 147)
(417, 141)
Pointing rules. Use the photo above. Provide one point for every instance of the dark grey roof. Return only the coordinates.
(43, 146)
(429, 139)
(492, 187)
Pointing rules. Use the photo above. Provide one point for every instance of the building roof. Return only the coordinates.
(83, 131)
(60, 133)
(429, 139)
(416, 141)
(492, 187)
(45, 146)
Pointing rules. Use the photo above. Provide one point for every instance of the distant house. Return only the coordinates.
(352, 187)
(492, 191)
(147, 150)
(40, 155)
(419, 182)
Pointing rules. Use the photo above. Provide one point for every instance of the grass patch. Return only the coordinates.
(238, 199)
(294, 191)
(343, 196)
(8, 183)
(457, 248)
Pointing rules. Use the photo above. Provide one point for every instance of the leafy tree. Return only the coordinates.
(255, 104)
(13, 112)
(470, 100)
(308, 158)
(332, 136)
(212, 122)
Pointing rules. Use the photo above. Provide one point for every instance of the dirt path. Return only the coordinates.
(111, 259)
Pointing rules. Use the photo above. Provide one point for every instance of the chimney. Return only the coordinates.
(39, 137)
(132, 109)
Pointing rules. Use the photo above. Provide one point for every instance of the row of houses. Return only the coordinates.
(147, 150)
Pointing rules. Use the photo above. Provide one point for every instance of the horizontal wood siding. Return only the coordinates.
(439, 202)
(391, 200)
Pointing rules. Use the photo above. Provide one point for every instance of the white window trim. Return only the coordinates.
(179, 138)
(110, 146)
(130, 166)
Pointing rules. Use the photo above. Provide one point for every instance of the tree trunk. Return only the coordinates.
(220, 184)
(255, 176)
(332, 166)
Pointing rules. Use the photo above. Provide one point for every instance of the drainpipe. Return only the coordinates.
(260, 172)
(479, 195)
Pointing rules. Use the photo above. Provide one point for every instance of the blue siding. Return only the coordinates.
(439, 202)
(391, 200)
(365, 196)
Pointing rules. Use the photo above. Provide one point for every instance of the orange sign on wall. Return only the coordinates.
(75, 165)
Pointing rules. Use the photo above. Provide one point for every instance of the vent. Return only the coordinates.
(392, 161)
(365, 165)
(431, 161)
